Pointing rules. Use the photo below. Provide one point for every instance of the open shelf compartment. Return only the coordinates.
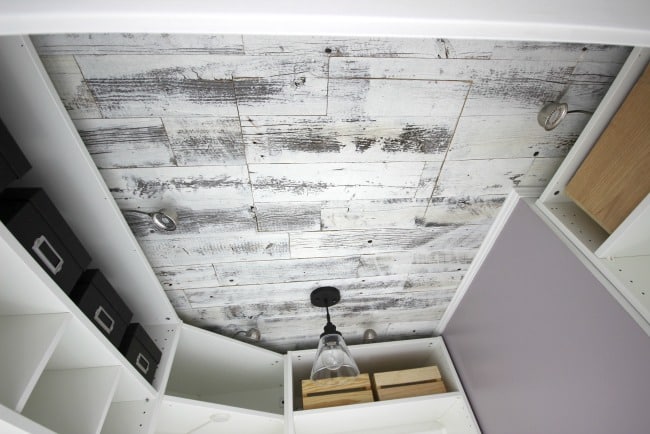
(423, 412)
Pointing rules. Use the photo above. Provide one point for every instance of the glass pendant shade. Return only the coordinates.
(333, 359)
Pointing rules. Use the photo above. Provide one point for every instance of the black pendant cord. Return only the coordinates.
(329, 328)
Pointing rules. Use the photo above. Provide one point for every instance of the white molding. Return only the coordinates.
(481, 255)
(584, 21)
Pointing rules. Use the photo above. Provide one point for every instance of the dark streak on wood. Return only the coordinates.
(412, 139)
(288, 216)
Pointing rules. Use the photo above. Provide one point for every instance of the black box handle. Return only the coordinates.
(103, 318)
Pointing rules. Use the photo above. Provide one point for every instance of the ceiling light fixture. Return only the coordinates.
(252, 334)
(333, 359)
(164, 219)
(553, 112)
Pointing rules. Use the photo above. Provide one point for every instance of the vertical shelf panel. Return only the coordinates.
(132, 417)
(73, 401)
(28, 342)
(15, 423)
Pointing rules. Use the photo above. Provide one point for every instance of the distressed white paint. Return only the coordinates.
(422, 261)
(368, 47)
(331, 181)
(140, 44)
(175, 251)
(117, 143)
(352, 97)
(288, 216)
(193, 187)
(490, 137)
(315, 139)
(206, 141)
(185, 277)
(360, 214)
(336, 243)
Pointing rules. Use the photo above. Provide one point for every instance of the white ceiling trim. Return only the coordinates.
(586, 21)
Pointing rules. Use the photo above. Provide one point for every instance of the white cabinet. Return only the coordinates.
(621, 259)
(447, 413)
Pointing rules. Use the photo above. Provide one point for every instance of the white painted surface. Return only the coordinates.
(182, 416)
(81, 409)
(225, 371)
(578, 21)
(28, 342)
(15, 423)
(632, 237)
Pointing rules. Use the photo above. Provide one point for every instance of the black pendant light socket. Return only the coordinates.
(325, 296)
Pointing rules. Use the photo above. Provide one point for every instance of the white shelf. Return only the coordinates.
(15, 423)
(445, 413)
(73, 401)
(28, 342)
(213, 368)
(621, 258)
(183, 416)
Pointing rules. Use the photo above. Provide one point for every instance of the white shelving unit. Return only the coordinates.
(621, 258)
(447, 413)
(60, 373)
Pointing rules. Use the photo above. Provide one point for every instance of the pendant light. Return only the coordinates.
(333, 359)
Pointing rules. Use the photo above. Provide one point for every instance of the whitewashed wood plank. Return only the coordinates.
(288, 216)
(190, 187)
(122, 143)
(178, 251)
(71, 87)
(540, 172)
(446, 69)
(530, 50)
(367, 47)
(137, 86)
(196, 221)
(293, 297)
(178, 299)
(487, 137)
(462, 210)
(299, 93)
(595, 72)
(197, 85)
(417, 262)
(137, 43)
(554, 51)
(362, 214)
(331, 181)
(354, 98)
(350, 242)
(286, 270)
(316, 139)
(428, 179)
(481, 177)
(179, 278)
(206, 141)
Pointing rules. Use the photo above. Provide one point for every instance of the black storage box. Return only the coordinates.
(141, 351)
(32, 218)
(98, 300)
(13, 163)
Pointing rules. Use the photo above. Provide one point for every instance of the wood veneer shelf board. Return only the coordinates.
(28, 342)
(180, 416)
(613, 179)
(73, 401)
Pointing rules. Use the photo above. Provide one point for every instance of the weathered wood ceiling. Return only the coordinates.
(373, 165)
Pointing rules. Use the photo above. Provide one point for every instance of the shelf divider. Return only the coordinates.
(28, 342)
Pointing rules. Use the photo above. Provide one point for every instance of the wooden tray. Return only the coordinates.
(332, 392)
(407, 383)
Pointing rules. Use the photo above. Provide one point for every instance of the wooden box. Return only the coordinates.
(407, 383)
(332, 392)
